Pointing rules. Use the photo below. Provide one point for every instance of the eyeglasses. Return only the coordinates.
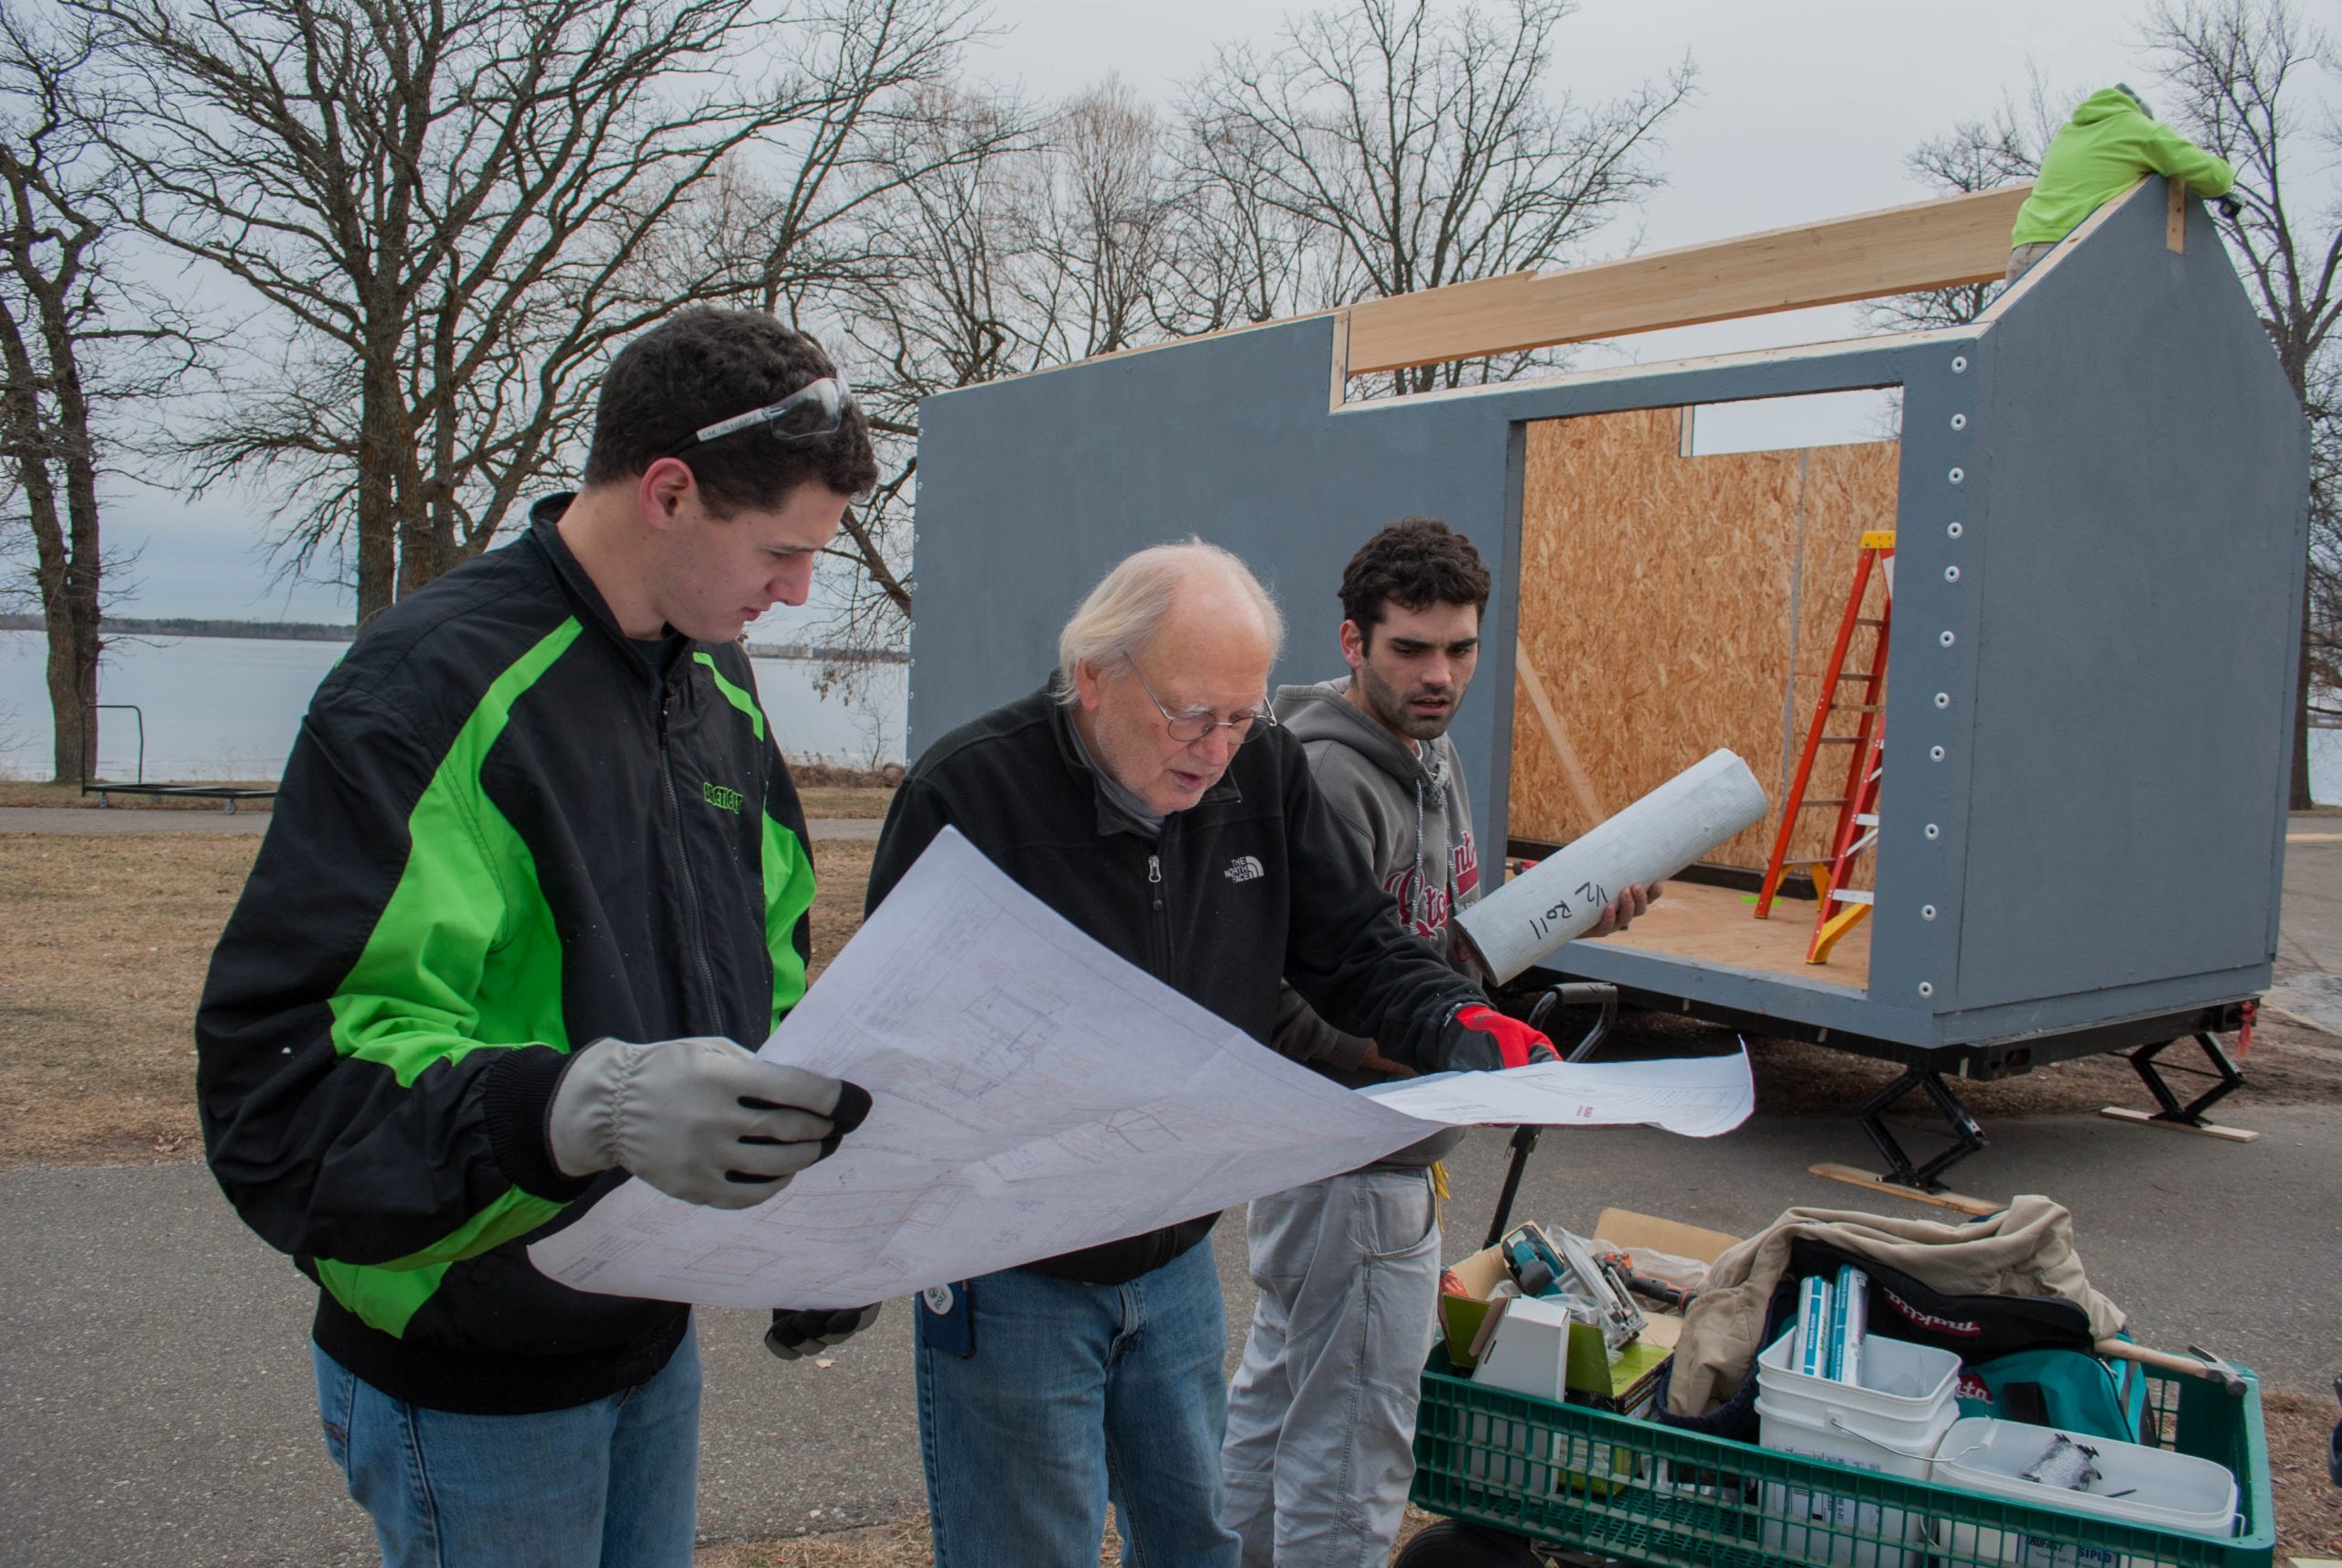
(813, 409)
(1191, 724)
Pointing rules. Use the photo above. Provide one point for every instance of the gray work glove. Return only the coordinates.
(794, 1333)
(699, 1118)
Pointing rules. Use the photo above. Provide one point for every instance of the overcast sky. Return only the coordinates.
(1805, 110)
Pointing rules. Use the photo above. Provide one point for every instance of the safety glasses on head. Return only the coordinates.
(813, 409)
(1189, 725)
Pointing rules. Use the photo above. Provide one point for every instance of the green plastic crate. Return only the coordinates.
(1610, 1485)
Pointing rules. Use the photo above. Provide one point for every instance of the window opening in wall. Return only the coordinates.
(1792, 424)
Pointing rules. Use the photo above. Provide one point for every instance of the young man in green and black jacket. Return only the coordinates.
(535, 877)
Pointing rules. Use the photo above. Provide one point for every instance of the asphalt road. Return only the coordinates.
(157, 1404)
(156, 1407)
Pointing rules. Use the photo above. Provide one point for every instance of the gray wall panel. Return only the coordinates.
(1030, 490)
(2138, 547)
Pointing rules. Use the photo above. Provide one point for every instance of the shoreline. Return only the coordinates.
(317, 632)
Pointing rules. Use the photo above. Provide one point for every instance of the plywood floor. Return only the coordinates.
(1718, 924)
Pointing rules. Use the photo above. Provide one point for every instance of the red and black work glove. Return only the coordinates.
(808, 1333)
(1481, 1039)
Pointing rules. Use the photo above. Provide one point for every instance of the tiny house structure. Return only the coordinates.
(2098, 498)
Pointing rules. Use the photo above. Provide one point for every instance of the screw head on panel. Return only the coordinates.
(1926, 989)
(1947, 640)
(1959, 364)
(1960, 422)
(1943, 699)
(1957, 475)
(1934, 831)
(1952, 574)
(1926, 911)
(1956, 529)
(1934, 753)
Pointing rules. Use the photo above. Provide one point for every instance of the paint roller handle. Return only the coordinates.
(1578, 994)
(2211, 1368)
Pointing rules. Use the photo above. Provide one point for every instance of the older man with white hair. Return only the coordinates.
(1148, 795)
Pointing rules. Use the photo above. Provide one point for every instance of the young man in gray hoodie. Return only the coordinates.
(1321, 1414)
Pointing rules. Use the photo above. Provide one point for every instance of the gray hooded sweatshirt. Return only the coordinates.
(1410, 814)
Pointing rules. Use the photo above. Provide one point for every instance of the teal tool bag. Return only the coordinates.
(2071, 1390)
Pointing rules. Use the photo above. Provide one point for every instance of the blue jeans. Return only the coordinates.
(613, 1483)
(1079, 1393)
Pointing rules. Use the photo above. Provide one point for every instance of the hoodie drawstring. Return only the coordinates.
(1437, 775)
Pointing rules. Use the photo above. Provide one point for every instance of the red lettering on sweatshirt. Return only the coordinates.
(1430, 919)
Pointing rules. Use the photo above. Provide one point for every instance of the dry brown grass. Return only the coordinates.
(845, 800)
(28, 792)
(2309, 1505)
(103, 952)
(104, 946)
(826, 791)
(841, 871)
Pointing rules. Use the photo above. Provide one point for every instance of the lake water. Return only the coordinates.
(228, 707)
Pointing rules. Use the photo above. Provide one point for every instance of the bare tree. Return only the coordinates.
(938, 310)
(1428, 144)
(1237, 255)
(1975, 155)
(66, 323)
(2252, 82)
(445, 209)
(1034, 238)
(1102, 230)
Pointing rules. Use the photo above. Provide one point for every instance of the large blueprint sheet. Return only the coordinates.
(1032, 1094)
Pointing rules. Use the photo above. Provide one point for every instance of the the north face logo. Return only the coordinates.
(1243, 868)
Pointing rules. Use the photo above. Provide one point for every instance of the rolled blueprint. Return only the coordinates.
(1563, 895)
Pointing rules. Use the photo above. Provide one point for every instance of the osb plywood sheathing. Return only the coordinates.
(1655, 608)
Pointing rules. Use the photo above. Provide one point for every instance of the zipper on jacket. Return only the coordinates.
(694, 925)
(1165, 847)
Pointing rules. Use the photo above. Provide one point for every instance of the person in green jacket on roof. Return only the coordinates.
(2113, 140)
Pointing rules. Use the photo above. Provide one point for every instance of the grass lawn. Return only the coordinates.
(825, 792)
(844, 800)
(102, 953)
(68, 796)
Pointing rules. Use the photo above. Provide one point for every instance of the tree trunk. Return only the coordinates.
(380, 408)
(73, 641)
(65, 567)
(72, 672)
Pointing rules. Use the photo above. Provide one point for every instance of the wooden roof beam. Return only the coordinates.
(1901, 250)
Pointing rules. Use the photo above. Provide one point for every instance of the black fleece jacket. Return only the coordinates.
(1256, 883)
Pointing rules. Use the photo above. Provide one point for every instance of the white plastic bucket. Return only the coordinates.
(2161, 1490)
(1903, 1386)
(1820, 1526)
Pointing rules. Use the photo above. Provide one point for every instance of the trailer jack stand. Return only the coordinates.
(1967, 1137)
(2226, 1077)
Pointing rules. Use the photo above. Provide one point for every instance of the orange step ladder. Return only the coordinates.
(1856, 830)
